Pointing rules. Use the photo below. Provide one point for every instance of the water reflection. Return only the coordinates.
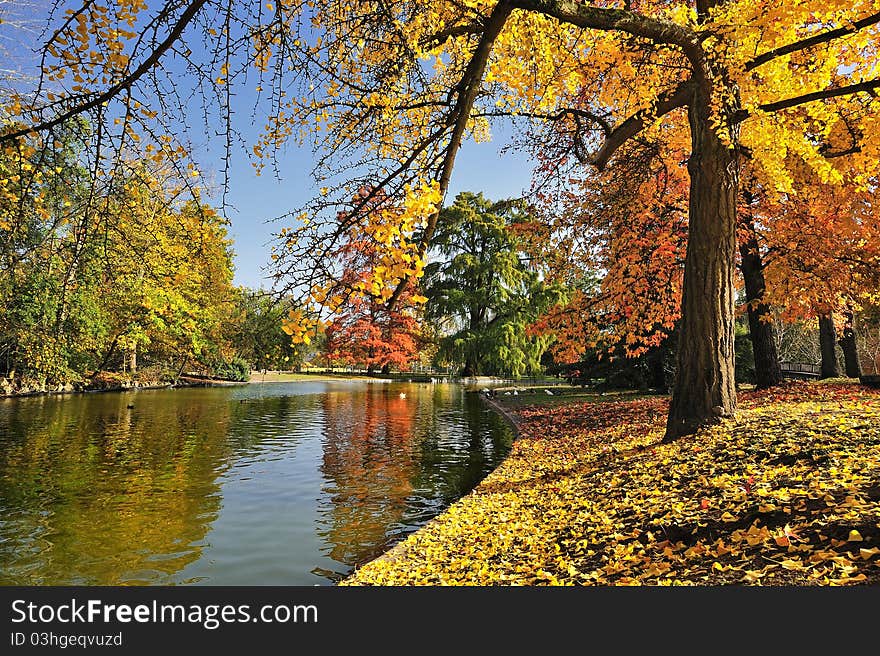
(394, 463)
(264, 484)
(94, 492)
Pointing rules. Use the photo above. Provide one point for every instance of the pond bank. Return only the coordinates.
(788, 493)
(18, 388)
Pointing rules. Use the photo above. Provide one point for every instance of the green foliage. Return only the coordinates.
(235, 368)
(103, 275)
(253, 331)
(483, 291)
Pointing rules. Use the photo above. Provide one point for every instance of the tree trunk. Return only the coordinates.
(656, 370)
(107, 357)
(133, 360)
(180, 369)
(848, 346)
(386, 369)
(827, 342)
(470, 369)
(705, 387)
(767, 370)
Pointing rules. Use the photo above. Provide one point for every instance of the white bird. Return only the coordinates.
(507, 394)
(515, 393)
(403, 395)
(549, 392)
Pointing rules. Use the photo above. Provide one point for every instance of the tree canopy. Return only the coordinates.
(483, 286)
(388, 91)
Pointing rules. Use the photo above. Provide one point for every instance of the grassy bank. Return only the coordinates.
(788, 493)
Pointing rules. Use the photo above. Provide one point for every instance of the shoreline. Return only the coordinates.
(122, 386)
(10, 390)
(399, 550)
(508, 415)
(569, 481)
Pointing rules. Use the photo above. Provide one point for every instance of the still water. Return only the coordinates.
(281, 484)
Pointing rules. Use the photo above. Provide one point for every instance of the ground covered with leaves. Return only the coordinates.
(787, 493)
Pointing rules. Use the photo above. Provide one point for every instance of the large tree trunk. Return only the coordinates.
(827, 342)
(848, 346)
(705, 388)
(767, 370)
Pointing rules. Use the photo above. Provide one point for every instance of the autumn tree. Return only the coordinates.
(168, 272)
(46, 320)
(391, 90)
(91, 276)
(369, 334)
(366, 331)
(823, 261)
(483, 285)
(617, 238)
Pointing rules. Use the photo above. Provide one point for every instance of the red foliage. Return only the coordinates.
(367, 332)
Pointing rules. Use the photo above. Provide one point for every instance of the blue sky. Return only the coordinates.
(256, 200)
(253, 201)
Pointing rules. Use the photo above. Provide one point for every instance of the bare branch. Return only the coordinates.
(601, 121)
(185, 19)
(834, 92)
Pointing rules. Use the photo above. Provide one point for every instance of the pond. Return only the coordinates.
(263, 484)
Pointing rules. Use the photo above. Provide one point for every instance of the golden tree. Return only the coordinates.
(389, 90)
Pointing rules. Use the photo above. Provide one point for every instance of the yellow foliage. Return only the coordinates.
(786, 493)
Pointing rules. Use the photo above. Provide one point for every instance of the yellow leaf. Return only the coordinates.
(854, 536)
(865, 554)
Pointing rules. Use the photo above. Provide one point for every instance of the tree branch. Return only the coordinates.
(467, 94)
(636, 123)
(455, 30)
(817, 39)
(185, 19)
(868, 86)
(601, 121)
(591, 17)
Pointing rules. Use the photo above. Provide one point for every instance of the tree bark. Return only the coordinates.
(705, 387)
(827, 342)
(767, 370)
(848, 346)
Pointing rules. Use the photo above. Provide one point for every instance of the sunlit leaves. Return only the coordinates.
(784, 495)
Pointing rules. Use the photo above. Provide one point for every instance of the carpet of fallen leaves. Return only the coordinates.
(787, 493)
